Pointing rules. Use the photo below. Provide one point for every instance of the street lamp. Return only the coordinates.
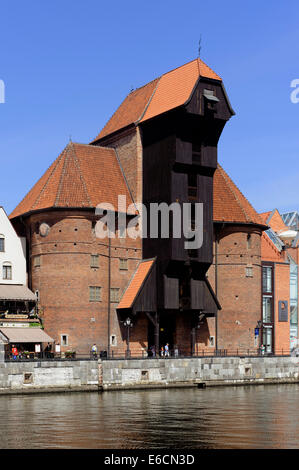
(128, 324)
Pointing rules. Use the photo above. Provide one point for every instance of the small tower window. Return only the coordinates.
(37, 261)
(114, 294)
(123, 264)
(2, 245)
(94, 261)
(94, 294)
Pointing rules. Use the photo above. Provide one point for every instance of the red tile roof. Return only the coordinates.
(82, 176)
(229, 204)
(171, 90)
(136, 283)
(275, 221)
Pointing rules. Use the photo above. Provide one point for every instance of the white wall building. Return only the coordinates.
(12, 253)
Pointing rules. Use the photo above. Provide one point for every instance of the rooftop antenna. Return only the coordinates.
(199, 47)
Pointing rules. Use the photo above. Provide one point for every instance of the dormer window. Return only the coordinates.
(210, 100)
(2, 245)
(7, 271)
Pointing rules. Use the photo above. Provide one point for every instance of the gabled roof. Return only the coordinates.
(171, 90)
(136, 283)
(229, 204)
(274, 220)
(83, 176)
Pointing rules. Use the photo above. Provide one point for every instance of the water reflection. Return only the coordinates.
(213, 418)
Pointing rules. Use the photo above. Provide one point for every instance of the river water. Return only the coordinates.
(252, 417)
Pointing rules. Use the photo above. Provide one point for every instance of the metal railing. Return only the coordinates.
(143, 354)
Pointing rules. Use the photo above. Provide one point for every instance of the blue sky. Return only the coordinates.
(67, 65)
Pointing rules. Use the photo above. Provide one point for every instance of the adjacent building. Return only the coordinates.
(17, 302)
(280, 282)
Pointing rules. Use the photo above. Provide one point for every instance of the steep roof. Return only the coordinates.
(167, 92)
(136, 283)
(229, 204)
(274, 220)
(83, 176)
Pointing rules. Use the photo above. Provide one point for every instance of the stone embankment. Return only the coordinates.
(103, 375)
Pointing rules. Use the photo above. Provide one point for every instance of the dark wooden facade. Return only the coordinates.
(179, 160)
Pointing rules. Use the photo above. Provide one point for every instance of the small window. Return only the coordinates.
(95, 294)
(94, 261)
(114, 294)
(123, 264)
(249, 241)
(7, 271)
(212, 341)
(36, 261)
(267, 279)
(64, 340)
(2, 243)
(249, 271)
(113, 341)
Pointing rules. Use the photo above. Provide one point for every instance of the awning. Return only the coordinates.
(16, 292)
(26, 335)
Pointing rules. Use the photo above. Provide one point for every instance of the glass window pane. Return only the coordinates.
(267, 310)
(267, 279)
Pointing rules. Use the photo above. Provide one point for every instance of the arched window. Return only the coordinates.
(2, 244)
(7, 271)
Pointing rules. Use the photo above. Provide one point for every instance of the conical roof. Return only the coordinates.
(83, 176)
(229, 204)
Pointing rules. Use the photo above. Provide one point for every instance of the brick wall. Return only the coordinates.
(239, 295)
(65, 275)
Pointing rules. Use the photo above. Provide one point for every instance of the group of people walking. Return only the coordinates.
(164, 351)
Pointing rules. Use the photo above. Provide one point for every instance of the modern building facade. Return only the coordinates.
(280, 283)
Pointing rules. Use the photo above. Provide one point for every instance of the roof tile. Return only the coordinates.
(82, 176)
(171, 90)
(135, 284)
(229, 204)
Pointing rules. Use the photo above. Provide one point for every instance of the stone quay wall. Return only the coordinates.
(104, 375)
(211, 371)
(48, 376)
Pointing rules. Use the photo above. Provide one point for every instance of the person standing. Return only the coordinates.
(167, 350)
(14, 351)
(94, 351)
(162, 351)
